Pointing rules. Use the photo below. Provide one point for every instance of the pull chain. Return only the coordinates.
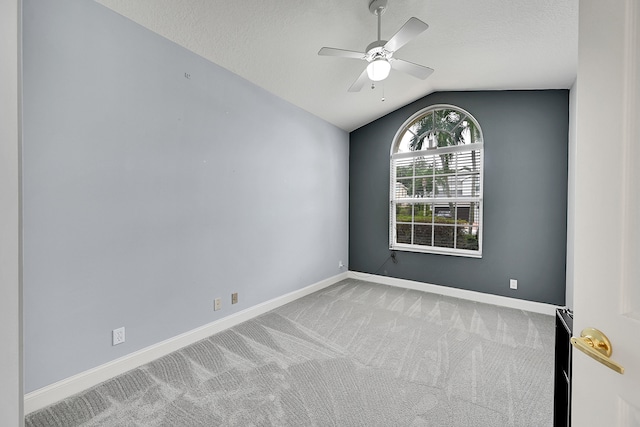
(373, 86)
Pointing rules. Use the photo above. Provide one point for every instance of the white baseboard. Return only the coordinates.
(50, 394)
(536, 307)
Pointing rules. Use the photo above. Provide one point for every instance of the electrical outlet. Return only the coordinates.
(118, 336)
(217, 304)
(340, 264)
(234, 298)
(513, 283)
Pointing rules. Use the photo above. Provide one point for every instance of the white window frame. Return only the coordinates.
(478, 198)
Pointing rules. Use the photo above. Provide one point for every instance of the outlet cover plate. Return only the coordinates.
(513, 283)
(217, 304)
(118, 336)
(234, 298)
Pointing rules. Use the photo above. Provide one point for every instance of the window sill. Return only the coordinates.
(436, 251)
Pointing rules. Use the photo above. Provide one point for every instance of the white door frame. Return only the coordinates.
(11, 387)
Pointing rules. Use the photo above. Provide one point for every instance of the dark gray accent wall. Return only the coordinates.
(525, 197)
(148, 194)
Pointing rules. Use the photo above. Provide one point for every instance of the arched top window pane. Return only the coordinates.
(437, 126)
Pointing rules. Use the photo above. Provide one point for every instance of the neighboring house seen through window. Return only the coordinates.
(436, 183)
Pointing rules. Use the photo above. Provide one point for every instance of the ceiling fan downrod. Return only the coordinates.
(378, 7)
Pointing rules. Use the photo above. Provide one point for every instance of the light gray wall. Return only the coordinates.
(525, 197)
(11, 393)
(147, 194)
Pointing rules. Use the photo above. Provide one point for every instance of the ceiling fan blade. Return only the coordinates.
(419, 71)
(330, 51)
(360, 81)
(411, 29)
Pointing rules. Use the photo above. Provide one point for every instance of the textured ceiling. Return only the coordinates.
(471, 44)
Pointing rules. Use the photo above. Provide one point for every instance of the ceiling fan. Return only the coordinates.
(379, 54)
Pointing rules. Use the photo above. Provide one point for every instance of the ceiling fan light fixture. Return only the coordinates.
(378, 69)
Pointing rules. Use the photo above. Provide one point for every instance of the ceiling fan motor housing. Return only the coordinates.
(376, 50)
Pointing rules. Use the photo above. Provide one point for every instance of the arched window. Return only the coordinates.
(436, 183)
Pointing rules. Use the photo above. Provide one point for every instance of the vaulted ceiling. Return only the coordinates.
(471, 44)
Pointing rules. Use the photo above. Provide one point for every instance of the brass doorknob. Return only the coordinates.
(596, 345)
